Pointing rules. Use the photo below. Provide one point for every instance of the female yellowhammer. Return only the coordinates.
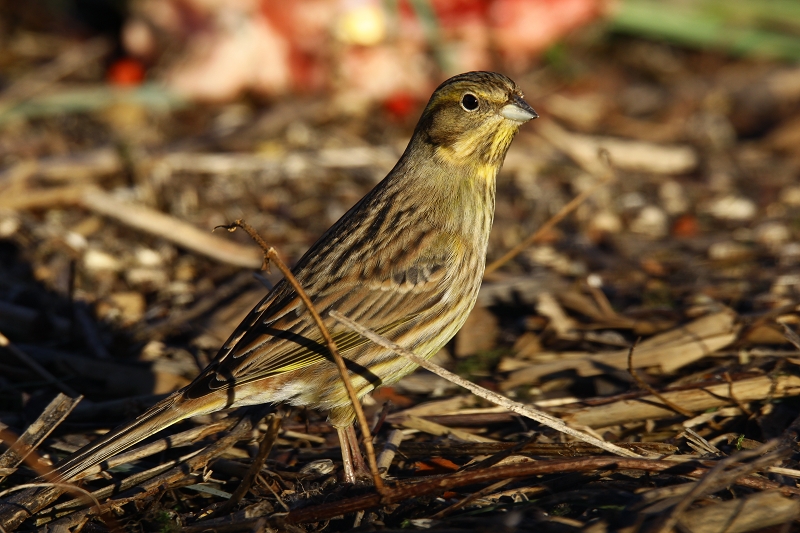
(406, 261)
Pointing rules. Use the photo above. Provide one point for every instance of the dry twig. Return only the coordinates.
(437, 484)
(646, 386)
(24, 446)
(539, 416)
(177, 476)
(717, 478)
(264, 447)
(270, 254)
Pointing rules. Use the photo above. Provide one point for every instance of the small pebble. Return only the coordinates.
(147, 257)
(673, 197)
(605, 222)
(728, 251)
(154, 277)
(772, 233)
(790, 254)
(131, 305)
(76, 241)
(97, 260)
(732, 208)
(9, 224)
(632, 201)
(652, 221)
(791, 195)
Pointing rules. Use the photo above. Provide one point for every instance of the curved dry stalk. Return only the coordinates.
(270, 254)
(646, 386)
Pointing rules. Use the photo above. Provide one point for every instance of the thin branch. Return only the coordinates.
(646, 386)
(438, 484)
(718, 478)
(264, 447)
(727, 377)
(524, 410)
(470, 498)
(790, 334)
(176, 476)
(270, 254)
(23, 448)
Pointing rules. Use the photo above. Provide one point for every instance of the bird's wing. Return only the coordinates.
(384, 290)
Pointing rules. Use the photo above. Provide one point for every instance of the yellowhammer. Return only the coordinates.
(406, 261)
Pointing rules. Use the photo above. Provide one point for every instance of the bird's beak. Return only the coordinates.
(518, 110)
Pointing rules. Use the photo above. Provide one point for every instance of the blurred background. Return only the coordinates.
(130, 129)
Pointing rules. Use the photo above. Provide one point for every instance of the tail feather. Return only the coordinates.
(158, 417)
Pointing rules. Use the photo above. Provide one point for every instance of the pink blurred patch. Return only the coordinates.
(271, 47)
(523, 28)
(243, 53)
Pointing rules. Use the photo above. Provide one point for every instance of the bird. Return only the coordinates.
(407, 261)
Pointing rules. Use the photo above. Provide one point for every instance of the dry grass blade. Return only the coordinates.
(698, 398)
(270, 254)
(639, 381)
(539, 416)
(637, 156)
(437, 484)
(177, 476)
(668, 351)
(121, 486)
(750, 513)
(171, 442)
(432, 428)
(167, 227)
(790, 335)
(54, 414)
(718, 478)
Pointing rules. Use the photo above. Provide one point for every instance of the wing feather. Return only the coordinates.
(279, 336)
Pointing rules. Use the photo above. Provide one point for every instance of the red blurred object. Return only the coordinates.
(400, 105)
(364, 51)
(523, 28)
(390, 394)
(125, 71)
(436, 465)
(685, 226)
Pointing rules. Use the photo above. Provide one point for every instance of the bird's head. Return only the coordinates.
(473, 117)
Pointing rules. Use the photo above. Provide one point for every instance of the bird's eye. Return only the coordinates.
(469, 102)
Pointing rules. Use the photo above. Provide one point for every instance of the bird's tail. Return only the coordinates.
(160, 416)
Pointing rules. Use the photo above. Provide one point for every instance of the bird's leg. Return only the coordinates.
(354, 466)
(360, 467)
(347, 458)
